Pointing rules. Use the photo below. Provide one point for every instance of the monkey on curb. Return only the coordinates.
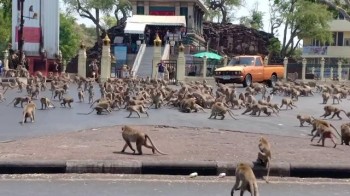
(132, 135)
(304, 118)
(68, 101)
(29, 112)
(137, 109)
(46, 103)
(246, 178)
(329, 109)
(264, 156)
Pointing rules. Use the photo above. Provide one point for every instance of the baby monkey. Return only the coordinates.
(246, 178)
(305, 118)
(132, 135)
(46, 103)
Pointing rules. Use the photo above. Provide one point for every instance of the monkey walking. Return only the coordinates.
(329, 109)
(246, 178)
(68, 101)
(264, 156)
(288, 102)
(46, 103)
(324, 132)
(137, 109)
(100, 107)
(317, 122)
(304, 118)
(132, 135)
(29, 112)
(81, 96)
(18, 100)
(218, 109)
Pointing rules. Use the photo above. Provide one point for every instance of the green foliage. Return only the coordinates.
(5, 30)
(69, 38)
(6, 6)
(254, 20)
(108, 21)
(224, 7)
(274, 45)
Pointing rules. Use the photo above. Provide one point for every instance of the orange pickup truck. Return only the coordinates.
(248, 69)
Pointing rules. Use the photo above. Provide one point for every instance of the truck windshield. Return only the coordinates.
(242, 61)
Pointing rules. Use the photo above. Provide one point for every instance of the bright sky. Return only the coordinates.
(263, 6)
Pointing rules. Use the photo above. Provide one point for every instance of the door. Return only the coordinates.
(258, 70)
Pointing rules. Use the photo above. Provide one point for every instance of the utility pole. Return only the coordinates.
(20, 32)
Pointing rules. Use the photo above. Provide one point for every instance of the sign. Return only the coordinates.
(315, 50)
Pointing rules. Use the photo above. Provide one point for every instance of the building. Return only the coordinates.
(313, 49)
(192, 10)
(40, 33)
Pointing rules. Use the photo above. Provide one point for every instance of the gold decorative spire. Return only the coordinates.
(106, 40)
(157, 41)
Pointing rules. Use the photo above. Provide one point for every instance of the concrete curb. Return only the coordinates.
(203, 168)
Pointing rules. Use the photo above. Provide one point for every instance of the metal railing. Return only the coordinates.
(138, 59)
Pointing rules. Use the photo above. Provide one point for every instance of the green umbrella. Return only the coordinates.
(209, 55)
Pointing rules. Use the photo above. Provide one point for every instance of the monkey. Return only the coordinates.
(18, 100)
(336, 111)
(132, 135)
(237, 102)
(249, 108)
(219, 109)
(245, 174)
(318, 122)
(20, 86)
(138, 109)
(288, 102)
(345, 133)
(58, 92)
(257, 108)
(2, 96)
(29, 112)
(35, 93)
(67, 100)
(264, 156)
(46, 103)
(304, 118)
(91, 95)
(325, 97)
(81, 95)
(337, 97)
(187, 105)
(99, 109)
(324, 132)
(157, 100)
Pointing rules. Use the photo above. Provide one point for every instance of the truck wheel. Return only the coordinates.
(272, 81)
(247, 80)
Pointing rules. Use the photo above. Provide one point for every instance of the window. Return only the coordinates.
(258, 62)
(334, 39)
(340, 38)
(346, 41)
(140, 10)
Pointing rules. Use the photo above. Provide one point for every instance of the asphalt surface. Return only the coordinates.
(92, 185)
(60, 120)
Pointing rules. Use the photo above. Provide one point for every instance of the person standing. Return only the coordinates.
(161, 70)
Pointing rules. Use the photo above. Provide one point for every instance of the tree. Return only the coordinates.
(303, 19)
(224, 6)
(124, 8)
(254, 20)
(5, 23)
(276, 17)
(85, 9)
(69, 38)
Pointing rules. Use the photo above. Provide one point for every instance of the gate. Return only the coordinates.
(172, 67)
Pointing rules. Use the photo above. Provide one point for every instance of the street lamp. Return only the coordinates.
(20, 32)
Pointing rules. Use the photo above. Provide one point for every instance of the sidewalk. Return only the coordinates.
(206, 151)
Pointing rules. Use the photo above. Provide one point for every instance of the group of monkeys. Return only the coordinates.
(245, 177)
(138, 95)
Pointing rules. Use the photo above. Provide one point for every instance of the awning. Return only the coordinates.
(135, 28)
(158, 20)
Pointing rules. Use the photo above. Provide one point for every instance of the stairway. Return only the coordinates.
(145, 68)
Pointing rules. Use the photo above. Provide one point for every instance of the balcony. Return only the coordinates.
(339, 25)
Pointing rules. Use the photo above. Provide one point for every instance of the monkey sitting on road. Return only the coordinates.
(132, 135)
(46, 103)
(246, 178)
(29, 112)
(264, 156)
(67, 100)
(304, 118)
(219, 109)
(325, 97)
(21, 100)
(137, 109)
(336, 111)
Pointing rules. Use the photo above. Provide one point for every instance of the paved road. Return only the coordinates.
(64, 119)
(43, 185)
